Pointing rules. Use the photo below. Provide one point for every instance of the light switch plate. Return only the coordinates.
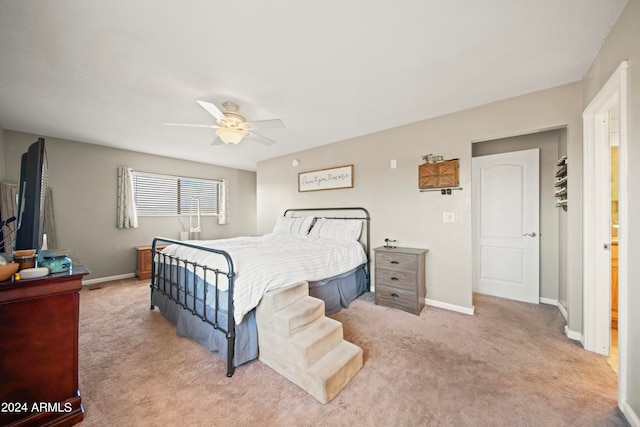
(448, 217)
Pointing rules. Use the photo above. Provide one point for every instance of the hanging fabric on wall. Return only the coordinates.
(8, 209)
(126, 215)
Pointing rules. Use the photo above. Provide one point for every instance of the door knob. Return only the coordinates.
(533, 234)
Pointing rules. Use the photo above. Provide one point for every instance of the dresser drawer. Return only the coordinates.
(396, 298)
(396, 261)
(397, 279)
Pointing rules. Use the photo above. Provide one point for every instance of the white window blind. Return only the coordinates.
(167, 195)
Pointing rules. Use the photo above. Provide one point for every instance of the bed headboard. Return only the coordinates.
(350, 213)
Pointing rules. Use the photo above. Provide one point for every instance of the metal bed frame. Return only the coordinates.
(163, 283)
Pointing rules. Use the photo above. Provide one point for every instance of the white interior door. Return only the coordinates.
(506, 217)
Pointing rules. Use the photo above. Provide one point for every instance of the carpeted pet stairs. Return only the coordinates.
(299, 342)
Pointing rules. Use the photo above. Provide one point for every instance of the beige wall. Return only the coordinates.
(623, 43)
(2, 156)
(398, 210)
(84, 177)
(547, 142)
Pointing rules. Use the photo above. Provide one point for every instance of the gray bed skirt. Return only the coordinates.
(336, 292)
(339, 291)
(188, 325)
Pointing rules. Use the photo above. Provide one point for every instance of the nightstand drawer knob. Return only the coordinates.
(394, 278)
(395, 295)
(394, 262)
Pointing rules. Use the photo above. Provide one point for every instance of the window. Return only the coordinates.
(167, 195)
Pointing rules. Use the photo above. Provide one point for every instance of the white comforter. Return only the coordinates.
(273, 261)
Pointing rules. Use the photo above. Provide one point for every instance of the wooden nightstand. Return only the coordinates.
(399, 276)
(143, 261)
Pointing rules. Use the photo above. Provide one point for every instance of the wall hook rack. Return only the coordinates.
(443, 191)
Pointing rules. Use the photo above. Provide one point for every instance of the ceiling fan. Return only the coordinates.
(232, 127)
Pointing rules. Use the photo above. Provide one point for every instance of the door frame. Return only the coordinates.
(596, 175)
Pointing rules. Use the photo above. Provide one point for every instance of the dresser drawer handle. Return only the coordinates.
(395, 278)
(395, 295)
(394, 262)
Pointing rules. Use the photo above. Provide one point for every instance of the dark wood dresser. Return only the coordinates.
(400, 278)
(39, 350)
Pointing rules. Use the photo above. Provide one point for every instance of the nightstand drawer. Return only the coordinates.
(396, 298)
(397, 280)
(396, 261)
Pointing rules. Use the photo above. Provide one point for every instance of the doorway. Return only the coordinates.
(597, 232)
(614, 142)
(552, 144)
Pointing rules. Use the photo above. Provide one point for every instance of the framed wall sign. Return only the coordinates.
(326, 179)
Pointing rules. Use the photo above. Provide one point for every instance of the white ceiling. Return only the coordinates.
(111, 72)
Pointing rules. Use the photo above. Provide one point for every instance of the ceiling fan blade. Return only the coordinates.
(217, 141)
(261, 139)
(266, 124)
(192, 125)
(212, 109)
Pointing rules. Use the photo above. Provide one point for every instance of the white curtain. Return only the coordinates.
(127, 217)
(8, 209)
(222, 196)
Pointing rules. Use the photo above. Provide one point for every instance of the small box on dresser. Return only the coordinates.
(399, 278)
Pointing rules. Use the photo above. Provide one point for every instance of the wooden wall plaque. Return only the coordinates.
(438, 175)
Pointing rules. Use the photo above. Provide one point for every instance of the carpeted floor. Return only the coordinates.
(509, 365)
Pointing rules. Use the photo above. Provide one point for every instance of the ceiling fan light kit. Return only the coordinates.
(231, 126)
(231, 135)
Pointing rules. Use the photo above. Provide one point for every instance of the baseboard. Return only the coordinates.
(108, 279)
(573, 335)
(563, 311)
(548, 301)
(631, 415)
(447, 306)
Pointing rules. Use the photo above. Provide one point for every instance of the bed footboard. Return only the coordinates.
(177, 279)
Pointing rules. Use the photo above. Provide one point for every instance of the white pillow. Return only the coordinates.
(289, 225)
(337, 229)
